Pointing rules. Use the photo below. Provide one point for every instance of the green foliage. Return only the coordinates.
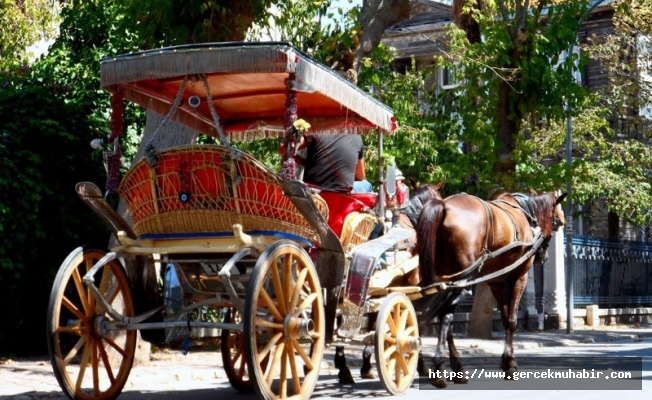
(49, 113)
(174, 22)
(44, 152)
(24, 23)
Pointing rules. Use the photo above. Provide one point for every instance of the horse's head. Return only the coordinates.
(422, 195)
(558, 219)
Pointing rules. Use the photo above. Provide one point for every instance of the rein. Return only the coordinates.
(476, 267)
(535, 244)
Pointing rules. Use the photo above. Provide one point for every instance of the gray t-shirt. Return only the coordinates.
(331, 161)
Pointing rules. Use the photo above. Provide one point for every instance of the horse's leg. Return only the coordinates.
(502, 296)
(509, 316)
(344, 375)
(456, 363)
(437, 376)
(365, 370)
(516, 292)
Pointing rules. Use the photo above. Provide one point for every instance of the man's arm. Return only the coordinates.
(359, 170)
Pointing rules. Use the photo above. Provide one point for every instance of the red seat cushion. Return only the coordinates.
(339, 206)
(368, 199)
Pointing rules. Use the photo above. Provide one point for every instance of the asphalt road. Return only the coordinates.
(199, 376)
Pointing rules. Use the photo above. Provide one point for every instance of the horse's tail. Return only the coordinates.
(430, 220)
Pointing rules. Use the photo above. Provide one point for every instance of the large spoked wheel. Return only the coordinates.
(232, 347)
(284, 319)
(397, 343)
(88, 361)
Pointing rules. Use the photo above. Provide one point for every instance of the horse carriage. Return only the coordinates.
(213, 240)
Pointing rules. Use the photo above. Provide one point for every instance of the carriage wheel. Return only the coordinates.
(397, 343)
(232, 347)
(285, 318)
(89, 362)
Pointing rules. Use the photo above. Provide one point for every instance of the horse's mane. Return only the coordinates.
(541, 207)
(424, 194)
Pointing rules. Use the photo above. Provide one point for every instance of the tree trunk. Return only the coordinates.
(375, 17)
(481, 320)
(141, 273)
(507, 130)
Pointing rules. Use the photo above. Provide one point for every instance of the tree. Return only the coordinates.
(24, 23)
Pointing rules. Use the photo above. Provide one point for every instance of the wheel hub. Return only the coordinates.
(297, 328)
(408, 344)
(101, 326)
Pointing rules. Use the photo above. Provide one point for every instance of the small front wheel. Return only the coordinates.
(284, 323)
(88, 361)
(232, 347)
(397, 343)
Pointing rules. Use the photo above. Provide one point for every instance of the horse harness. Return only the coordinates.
(461, 278)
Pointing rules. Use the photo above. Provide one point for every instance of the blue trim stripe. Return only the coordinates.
(280, 235)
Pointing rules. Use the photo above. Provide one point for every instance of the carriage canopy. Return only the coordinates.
(247, 84)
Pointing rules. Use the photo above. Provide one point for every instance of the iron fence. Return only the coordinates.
(611, 273)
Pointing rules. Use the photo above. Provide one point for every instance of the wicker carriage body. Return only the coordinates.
(201, 189)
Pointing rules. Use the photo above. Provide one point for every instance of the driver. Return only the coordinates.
(334, 163)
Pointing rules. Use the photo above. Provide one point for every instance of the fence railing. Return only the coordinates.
(611, 273)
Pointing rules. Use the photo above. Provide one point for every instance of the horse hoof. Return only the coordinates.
(438, 383)
(367, 375)
(421, 368)
(460, 381)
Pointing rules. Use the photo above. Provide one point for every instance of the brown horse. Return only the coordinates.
(463, 240)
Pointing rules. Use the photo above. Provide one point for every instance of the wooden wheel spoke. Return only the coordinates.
(278, 288)
(396, 317)
(83, 362)
(302, 353)
(243, 364)
(287, 279)
(81, 291)
(113, 344)
(403, 320)
(73, 352)
(402, 364)
(293, 368)
(389, 351)
(391, 364)
(73, 308)
(389, 338)
(270, 304)
(107, 364)
(298, 288)
(277, 356)
(283, 383)
(409, 331)
(397, 370)
(95, 369)
(392, 327)
(305, 303)
(268, 324)
(272, 342)
(70, 329)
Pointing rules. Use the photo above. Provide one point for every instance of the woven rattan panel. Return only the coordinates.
(202, 188)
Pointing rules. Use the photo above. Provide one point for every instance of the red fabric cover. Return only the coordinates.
(402, 192)
(339, 206)
(368, 199)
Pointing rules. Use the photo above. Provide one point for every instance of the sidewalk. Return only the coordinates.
(28, 379)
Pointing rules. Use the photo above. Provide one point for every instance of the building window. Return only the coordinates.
(448, 77)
